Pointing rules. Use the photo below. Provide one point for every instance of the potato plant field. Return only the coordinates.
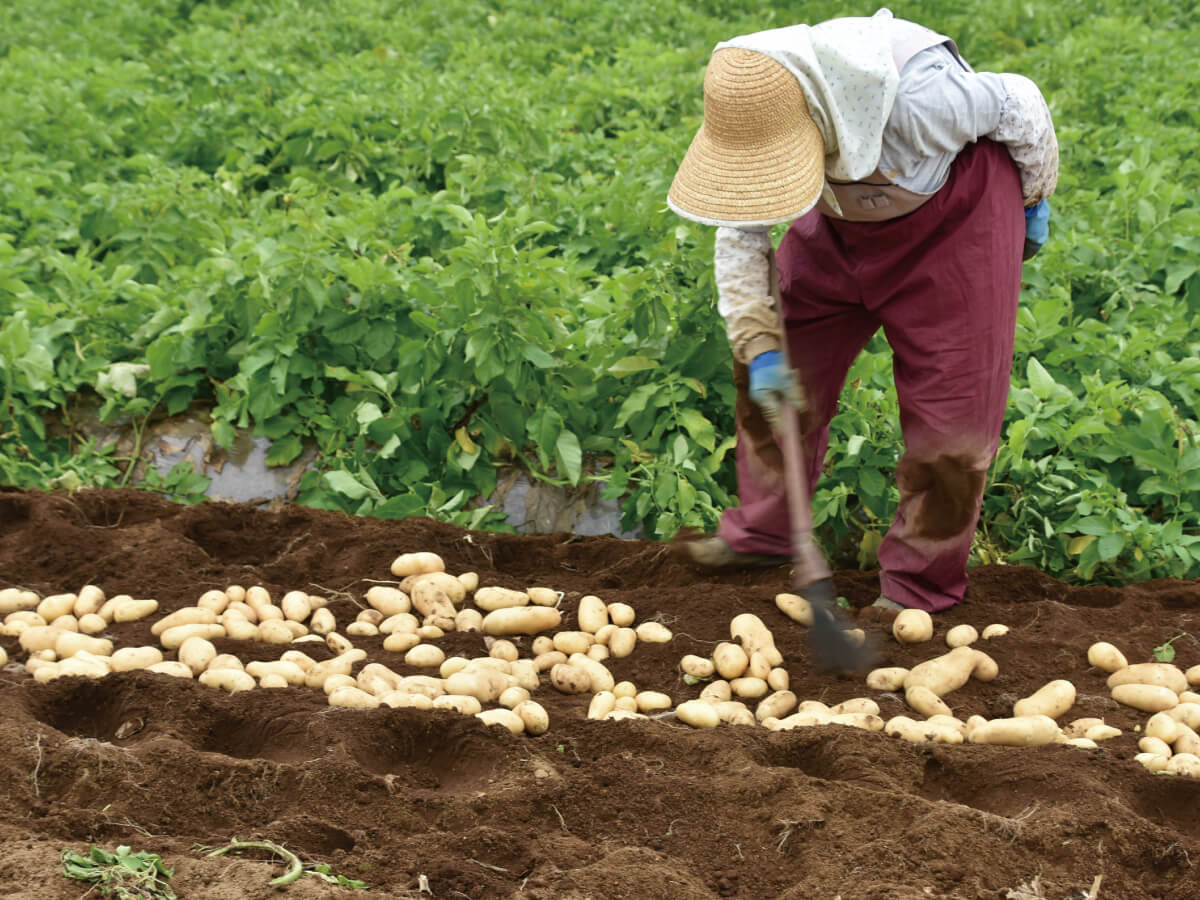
(588, 717)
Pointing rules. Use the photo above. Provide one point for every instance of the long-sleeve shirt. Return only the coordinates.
(940, 107)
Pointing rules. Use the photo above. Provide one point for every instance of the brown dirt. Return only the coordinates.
(591, 809)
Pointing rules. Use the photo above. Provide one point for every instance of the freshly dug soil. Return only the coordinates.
(406, 800)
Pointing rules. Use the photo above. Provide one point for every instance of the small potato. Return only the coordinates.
(795, 608)
(525, 673)
(1163, 674)
(1022, 731)
(333, 682)
(353, 698)
(1186, 741)
(912, 626)
(1105, 657)
(512, 696)
(91, 623)
(466, 620)
(229, 680)
(172, 668)
(485, 685)
(172, 638)
(592, 614)
(1193, 676)
(624, 689)
(417, 564)
(865, 721)
(236, 593)
(16, 600)
(1152, 761)
(238, 629)
(66, 623)
(569, 679)
(469, 581)
(85, 665)
(598, 652)
(131, 610)
(697, 666)
(654, 633)
(1079, 727)
(760, 666)
(621, 614)
(602, 704)
(961, 636)
(361, 629)
(926, 702)
(490, 599)
(388, 600)
(544, 662)
(272, 681)
(256, 596)
(994, 631)
(944, 674)
(505, 718)
(129, 658)
(1184, 764)
(861, 705)
(505, 650)
(275, 631)
(715, 691)
(69, 643)
(697, 714)
(749, 688)
(778, 679)
(450, 586)
(303, 660)
(887, 679)
(1154, 745)
(601, 679)
(521, 620)
(1146, 697)
(40, 637)
(543, 596)
(728, 709)
(467, 706)
(1052, 699)
(405, 700)
(754, 637)
(1187, 713)
(570, 642)
(606, 632)
(88, 601)
(55, 605)
(985, 667)
(322, 622)
(625, 703)
(214, 600)
(189, 615)
(289, 672)
(622, 642)
(245, 610)
(1102, 733)
(430, 632)
(652, 701)
(225, 661)
(543, 643)
(730, 660)
(1162, 726)
(533, 714)
(776, 705)
(425, 656)
(296, 606)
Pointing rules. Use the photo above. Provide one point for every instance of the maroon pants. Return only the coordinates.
(943, 282)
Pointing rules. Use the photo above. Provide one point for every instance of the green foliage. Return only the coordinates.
(428, 239)
(125, 875)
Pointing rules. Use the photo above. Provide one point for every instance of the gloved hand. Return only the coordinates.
(1037, 228)
(773, 384)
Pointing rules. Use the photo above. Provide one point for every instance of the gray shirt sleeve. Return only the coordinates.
(942, 106)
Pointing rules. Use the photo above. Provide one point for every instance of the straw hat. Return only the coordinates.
(758, 158)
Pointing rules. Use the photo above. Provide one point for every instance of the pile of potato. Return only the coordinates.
(745, 681)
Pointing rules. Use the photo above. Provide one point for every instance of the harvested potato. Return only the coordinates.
(778, 679)
(543, 596)
(592, 614)
(652, 701)
(503, 649)
(214, 600)
(434, 604)
(466, 620)
(91, 623)
(1152, 761)
(775, 705)
(795, 608)
(1193, 676)
(17, 600)
(172, 638)
(505, 718)
(1146, 697)
(621, 642)
(890, 678)
(521, 620)
(451, 586)
(621, 614)
(130, 610)
(570, 679)
(1052, 699)
(55, 605)
(88, 601)
(289, 672)
(1162, 726)
(1163, 674)
(534, 715)
(1154, 745)
(544, 662)
(697, 714)
(417, 564)
(944, 674)
(188, 615)
(1102, 732)
(425, 656)
(512, 696)
(171, 667)
(749, 688)
(602, 704)
(911, 730)
(653, 633)
(912, 626)
(469, 581)
(351, 697)
(229, 680)
(490, 599)
(570, 642)
(994, 630)
(715, 691)
(961, 636)
(1079, 727)
(1184, 764)
(296, 606)
(1105, 657)
(129, 658)
(697, 666)
(68, 643)
(926, 702)
(1187, 713)
(730, 660)
(1023, 731)
(600, 677)
(863, 705)
(225, 661)
(754, 637)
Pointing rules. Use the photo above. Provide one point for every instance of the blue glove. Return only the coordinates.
(1037, 228)
(772, 384)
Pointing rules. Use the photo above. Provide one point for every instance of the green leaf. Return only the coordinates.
(346, 484)
(570, 456)
(285, 450)
(701, 430)
(632, 364)
(1040, 381)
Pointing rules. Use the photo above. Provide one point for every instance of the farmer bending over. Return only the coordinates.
(914, 187)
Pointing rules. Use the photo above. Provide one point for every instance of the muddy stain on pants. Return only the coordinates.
(943, 283)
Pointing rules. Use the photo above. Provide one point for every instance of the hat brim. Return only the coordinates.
(727, 185)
